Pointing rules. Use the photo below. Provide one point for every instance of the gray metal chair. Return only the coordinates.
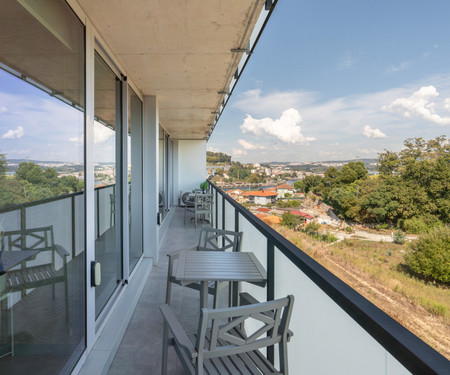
(188, 204)
(203, 207)
(44, 271)
(222, 345)
(210, 239)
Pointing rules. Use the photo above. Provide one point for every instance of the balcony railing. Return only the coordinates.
(337, 331)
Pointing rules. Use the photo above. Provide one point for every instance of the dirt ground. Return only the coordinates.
(383, 292)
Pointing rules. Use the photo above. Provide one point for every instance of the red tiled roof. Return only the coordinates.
(285, 186)
(300, 213)
(263, 209)
(263, 193)
(271, 189)
(261, 216)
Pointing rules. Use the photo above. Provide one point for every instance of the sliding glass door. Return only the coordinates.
(108, 185)
(42, 216)
(134, 178)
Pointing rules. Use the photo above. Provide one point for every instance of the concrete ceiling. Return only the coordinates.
(179, 50)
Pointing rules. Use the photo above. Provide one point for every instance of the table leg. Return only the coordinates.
(203, 294)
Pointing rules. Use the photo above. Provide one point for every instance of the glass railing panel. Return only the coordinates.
(219, 211)
(106, 204)
(79, 224)
(326, 339)
(229, 216)
(253, 241)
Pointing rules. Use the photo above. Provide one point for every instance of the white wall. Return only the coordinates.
(191, 164)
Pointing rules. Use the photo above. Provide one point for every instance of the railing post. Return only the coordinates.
(217, 207)
(236, 285)
(270, 285)
(72, 202)
(23, 226)
(98, 213)
(223, 213)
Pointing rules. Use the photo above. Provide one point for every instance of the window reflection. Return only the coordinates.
(134, 178)
(107, 146)
(42, 257)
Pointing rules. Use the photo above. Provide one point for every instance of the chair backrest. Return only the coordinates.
(273, 319)
(28, 239)
(219, 239)
(185, 199)
(204, 201)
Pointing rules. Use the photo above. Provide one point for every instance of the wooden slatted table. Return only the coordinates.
(221, 266)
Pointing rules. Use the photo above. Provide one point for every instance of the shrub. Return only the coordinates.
(399, 238)
(419, 224)
(311, 228)
(429, 256)
(381, 226)
(291, 221)
(349, 229)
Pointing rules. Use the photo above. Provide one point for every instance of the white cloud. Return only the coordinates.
(366, 151)
(397, 68)
(257, 104)
(373, 133)
(248, 145)
(14, 134)
(447, 104)
(102, 133)
(3, 109)
(77, 140)
(238, 152)
(419, 104)
(286, 128)
(212, 149)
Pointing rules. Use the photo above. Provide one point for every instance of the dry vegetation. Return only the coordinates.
(374, 270)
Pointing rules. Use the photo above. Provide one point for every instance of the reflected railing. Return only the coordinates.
(336, 330)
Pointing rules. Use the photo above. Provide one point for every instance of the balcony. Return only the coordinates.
(335, 329)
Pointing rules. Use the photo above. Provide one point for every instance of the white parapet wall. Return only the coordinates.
(191, 161)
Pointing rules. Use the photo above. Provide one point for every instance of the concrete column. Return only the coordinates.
(150, 177)
(176, 188)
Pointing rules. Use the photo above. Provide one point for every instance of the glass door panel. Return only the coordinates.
(107, 166)
(134, 178)
(42, 240)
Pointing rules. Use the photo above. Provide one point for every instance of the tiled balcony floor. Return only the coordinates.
(141, 348)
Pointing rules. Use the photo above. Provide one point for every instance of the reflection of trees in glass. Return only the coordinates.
(31, 183)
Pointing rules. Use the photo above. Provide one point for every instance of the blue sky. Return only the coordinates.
(328, 81)
(23, 110)
(339, 80)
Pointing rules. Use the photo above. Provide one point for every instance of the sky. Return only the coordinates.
(23, 110)
(340, 80)
(328, 81)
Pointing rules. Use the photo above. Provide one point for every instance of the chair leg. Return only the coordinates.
(169, 283)
(165, 349)
(216, 295)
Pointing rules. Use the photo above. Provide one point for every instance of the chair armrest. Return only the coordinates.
(248, 299)
(61, 251)
(179, 335)
(175, 254)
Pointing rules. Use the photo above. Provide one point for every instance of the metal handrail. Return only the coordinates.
(47, 200)
(408, 349)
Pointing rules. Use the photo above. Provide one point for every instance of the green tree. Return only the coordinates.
(352, 172)
(3, 165)
(311, 183)
(299, 185)
(50, 174)
(429, 256)
(289, 220)
(30, 172)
